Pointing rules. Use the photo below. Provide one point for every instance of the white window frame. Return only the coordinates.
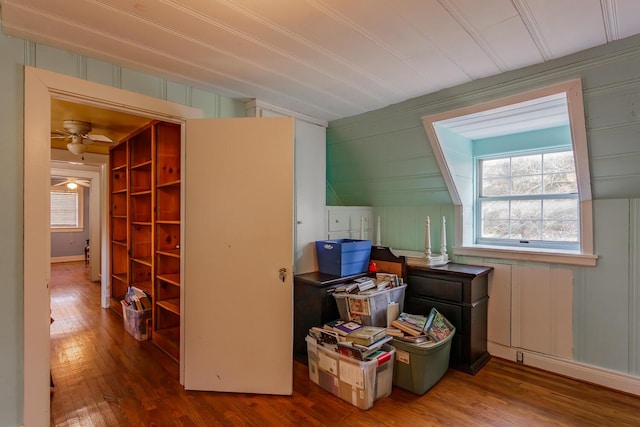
(522, 243)
(464, 209)
(80, 210)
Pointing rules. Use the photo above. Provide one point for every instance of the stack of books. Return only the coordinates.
(353, 339)
(421, 329)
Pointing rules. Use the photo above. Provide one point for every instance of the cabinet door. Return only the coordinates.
(238, 235)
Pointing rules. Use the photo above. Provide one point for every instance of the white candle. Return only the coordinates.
(379, 238)
(361, 228)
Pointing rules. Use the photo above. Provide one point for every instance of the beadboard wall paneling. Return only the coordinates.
(603, 319)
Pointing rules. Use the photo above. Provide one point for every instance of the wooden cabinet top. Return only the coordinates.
(453, 269)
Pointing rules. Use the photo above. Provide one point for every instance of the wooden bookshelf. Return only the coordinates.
(145, 193)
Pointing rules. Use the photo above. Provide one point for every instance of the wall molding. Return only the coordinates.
(589, 374)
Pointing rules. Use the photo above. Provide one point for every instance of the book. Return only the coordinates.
(325, 336)
(359, 306)
(395, 332)
(360, 352)
(380, 355)
(438, 327)
(406, 328)
(366, 285)
(367, 335)
(393, 279)
(416, 321)
(341, 327)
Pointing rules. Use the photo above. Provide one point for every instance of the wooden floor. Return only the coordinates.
(104, 377)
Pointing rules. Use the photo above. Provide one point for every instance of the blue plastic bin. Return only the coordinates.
(343, 257)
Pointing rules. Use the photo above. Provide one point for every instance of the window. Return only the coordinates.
(528, 200)
(66, 209)
(517, 171)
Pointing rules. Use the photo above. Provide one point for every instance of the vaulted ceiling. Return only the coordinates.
(325, 58)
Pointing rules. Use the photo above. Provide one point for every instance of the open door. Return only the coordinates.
(238, 226)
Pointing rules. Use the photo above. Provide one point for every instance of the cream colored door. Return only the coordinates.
(238, 226)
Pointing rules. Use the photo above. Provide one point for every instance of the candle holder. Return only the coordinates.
(435, 260)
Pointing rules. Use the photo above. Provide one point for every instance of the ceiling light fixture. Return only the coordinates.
(72, 185)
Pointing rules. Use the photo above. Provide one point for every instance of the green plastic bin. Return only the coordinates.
(417, 368)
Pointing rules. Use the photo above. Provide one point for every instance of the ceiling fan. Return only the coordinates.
(78, 132)
(72, 183)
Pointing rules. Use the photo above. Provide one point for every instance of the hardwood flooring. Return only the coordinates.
(104, 377)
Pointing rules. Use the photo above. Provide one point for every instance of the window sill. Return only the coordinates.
(67, 230)
(523, 254)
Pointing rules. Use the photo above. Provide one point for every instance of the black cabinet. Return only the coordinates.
(313, 305)
(460, 293)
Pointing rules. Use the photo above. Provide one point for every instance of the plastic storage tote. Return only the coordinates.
(370, 310)
(419, 367)
(135, 321)
(360, 383)
(343, 257)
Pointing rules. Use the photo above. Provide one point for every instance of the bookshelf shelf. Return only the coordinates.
(173, 305)
(173, 279)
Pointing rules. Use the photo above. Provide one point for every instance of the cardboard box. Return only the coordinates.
(343, 257)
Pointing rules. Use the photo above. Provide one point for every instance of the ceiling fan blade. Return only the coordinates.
(83, 183)
(99, 138)
(59, 136)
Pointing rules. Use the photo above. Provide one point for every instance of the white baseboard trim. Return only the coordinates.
(67, 258)
(587, 373)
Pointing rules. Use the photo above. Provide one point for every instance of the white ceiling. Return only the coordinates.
(324, 58)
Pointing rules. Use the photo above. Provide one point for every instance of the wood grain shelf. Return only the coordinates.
(173, 305)
(174, 278)
(168, 184)
(169, 252)
(143, 260)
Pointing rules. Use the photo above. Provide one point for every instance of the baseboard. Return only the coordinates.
(67, 258)
(587, 373)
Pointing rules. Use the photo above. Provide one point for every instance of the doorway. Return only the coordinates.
(40, 87)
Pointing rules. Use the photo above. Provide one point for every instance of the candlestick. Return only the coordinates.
(361, 228)
(443, 238)
(379, 238)
(427, 237)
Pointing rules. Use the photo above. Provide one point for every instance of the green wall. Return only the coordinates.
(383, 159)
(14, 55)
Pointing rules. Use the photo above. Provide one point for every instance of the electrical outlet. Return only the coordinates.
(520, 357)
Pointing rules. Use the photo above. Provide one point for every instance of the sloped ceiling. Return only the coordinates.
(328, 59)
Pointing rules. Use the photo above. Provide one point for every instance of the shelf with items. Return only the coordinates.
(141, 276)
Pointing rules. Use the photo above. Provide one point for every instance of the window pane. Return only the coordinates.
(559, 162)
(561, 209)
(526, 165)
(526, 209)
(64, 209)
(494, 168)
(525, 229)
(495, 187)
(495, 210)
(560, 183)
(531, 184)
(496, 229)
(562, 231)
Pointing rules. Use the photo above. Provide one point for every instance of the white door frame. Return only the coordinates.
(98, 210)
(39, 87)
